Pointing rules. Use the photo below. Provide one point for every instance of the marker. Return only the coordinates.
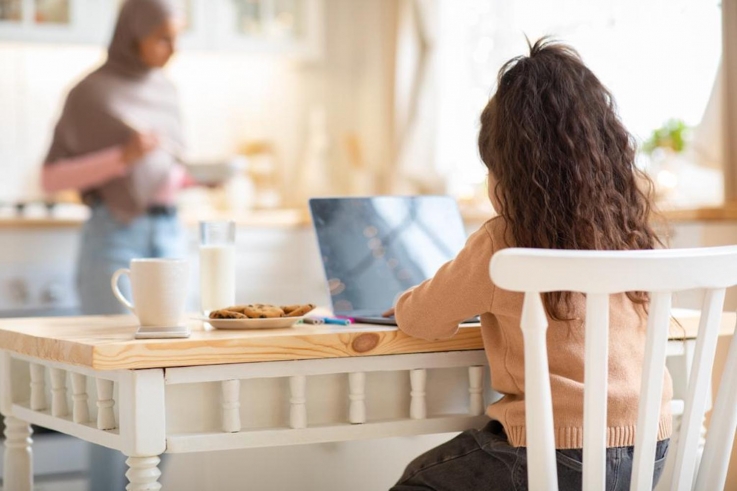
(336, 321)
(313, 320)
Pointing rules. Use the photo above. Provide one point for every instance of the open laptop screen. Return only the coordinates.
(375, 248)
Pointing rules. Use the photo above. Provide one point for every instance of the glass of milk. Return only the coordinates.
(217, 265)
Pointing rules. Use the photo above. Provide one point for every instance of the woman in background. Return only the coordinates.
(117, 142)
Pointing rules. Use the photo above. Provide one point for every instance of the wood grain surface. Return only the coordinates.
(107, 343)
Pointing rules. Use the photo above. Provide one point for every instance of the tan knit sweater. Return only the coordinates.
(462, 288)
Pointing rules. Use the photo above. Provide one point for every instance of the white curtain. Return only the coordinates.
(729, 94)
(707, 143)
(415, 98)
(710, 147)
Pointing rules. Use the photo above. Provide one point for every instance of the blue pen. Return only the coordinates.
(336, 321)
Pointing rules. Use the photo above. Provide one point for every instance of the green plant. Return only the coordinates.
(672, 135)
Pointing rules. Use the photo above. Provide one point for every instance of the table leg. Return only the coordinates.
(143, 474)
(18, 455)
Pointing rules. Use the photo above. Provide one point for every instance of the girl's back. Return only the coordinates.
(561, 176)
(462, 289)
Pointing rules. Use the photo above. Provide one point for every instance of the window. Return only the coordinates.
(658, 57)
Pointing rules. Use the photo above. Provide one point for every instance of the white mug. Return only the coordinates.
(159, 291)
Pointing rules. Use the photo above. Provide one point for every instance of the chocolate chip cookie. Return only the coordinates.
(262, 311)
(227, 314)
(297, 310)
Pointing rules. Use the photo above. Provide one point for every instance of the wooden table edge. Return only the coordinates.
(358, 340)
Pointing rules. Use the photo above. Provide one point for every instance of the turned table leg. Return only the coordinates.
(18, 455)
(143, 474)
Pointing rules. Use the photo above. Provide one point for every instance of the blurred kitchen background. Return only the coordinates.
(300, 98)
(339, 97)
(356, 96)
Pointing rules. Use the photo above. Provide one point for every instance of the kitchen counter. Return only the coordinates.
(283, 217)
(40, 222)
(255, 218)
(724, 213)
(300, 217)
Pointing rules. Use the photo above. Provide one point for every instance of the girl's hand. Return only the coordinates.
(388, 313)
(139, 144)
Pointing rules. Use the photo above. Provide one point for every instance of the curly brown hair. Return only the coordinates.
(563, 162)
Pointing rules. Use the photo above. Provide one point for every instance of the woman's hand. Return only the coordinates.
(139, 144)
(388, 313)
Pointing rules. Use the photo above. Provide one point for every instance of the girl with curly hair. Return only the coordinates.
(562, 175)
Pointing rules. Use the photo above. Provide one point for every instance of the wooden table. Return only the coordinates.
(219, 390)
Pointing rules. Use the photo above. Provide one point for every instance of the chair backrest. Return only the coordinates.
(599, 274)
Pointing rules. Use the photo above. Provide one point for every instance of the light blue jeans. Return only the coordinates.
(108, 245)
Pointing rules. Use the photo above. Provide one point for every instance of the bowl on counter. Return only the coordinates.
(217, 171)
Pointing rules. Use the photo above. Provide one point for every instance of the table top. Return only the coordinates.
(107, 343)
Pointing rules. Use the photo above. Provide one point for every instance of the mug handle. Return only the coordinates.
(116, 290)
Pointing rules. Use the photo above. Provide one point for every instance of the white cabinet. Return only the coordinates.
(290, 27)
(197, 18)
(37, 279)
(281, 26)
(54, 21)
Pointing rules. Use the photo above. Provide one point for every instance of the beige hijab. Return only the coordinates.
(122, 95)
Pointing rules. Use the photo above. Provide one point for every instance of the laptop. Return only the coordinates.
(373, 249)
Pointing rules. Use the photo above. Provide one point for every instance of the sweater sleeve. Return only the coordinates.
(84, 172)
(461, 289)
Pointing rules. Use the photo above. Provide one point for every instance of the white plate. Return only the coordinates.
(272, 323)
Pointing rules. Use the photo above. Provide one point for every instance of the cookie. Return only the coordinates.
(237, 308)
(261, 311)
(288, 309)
(227, 314)
(300, 310)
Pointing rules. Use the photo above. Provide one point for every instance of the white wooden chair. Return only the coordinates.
(599, 274)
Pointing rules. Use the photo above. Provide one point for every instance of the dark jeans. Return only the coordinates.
(484, 460)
